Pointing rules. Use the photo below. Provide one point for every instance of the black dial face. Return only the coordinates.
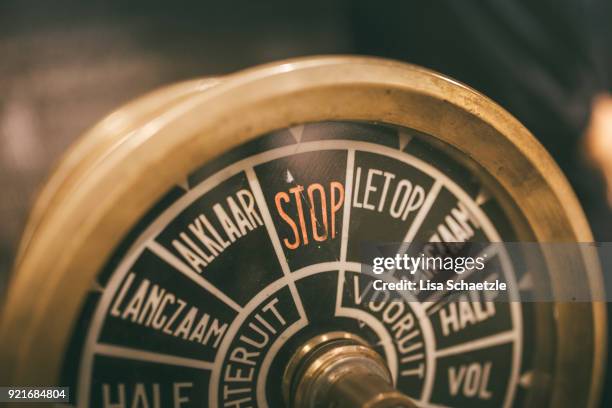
(208, 297)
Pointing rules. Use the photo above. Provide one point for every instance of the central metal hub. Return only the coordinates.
(340, 370)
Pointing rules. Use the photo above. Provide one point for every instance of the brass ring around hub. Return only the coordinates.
(339, 369)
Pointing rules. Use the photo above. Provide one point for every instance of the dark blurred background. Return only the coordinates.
(65, 64)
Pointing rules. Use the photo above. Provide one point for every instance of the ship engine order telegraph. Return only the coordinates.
(201, 247)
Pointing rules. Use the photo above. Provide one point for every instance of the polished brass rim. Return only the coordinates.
(77, 230)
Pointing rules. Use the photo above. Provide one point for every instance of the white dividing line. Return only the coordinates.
(489, 341)
(149, 356)
(86, 365)
(348, 193)
(268, 291)
(517, 324)
(262, 400)
(280, 254)
(346, 222)
(420, 217)
(177, 264)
